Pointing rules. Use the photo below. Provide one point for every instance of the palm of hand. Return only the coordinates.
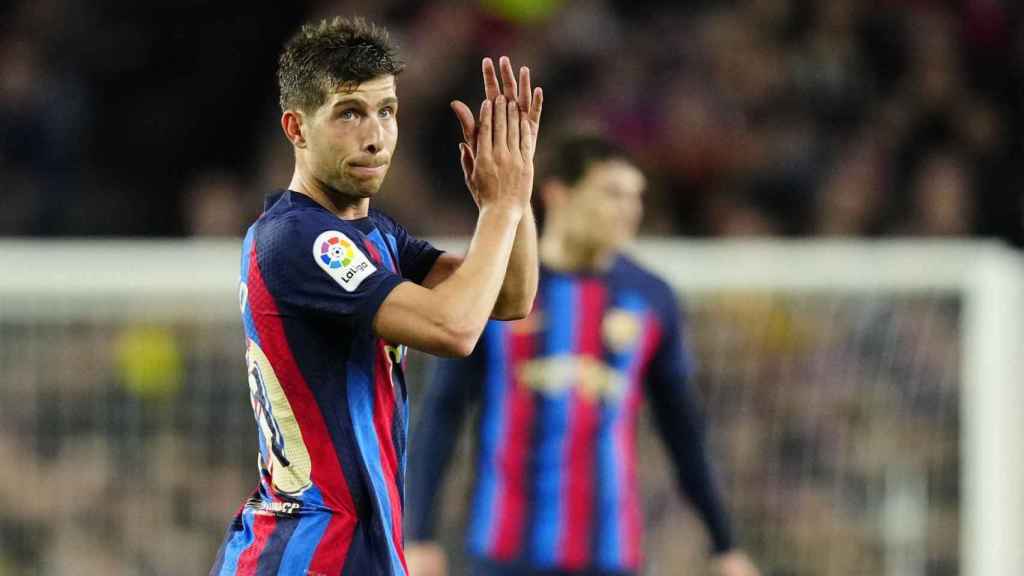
(497, 154)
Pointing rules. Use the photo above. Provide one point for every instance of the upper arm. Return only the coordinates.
(669, 377)
(411, 315)
(417, 257)
(445, 265)
(672, 363)
(321, 267)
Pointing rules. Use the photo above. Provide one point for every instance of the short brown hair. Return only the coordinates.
(331, 54)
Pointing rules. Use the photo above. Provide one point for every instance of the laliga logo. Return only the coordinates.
(342, 260)
(351, 272)
(336, 252)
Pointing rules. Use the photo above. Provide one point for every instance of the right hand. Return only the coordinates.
(513, 123)
(426, 559)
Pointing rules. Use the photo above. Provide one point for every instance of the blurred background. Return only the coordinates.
(127, 435)
(752, 117)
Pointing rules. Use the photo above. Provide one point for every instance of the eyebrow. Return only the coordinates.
(347, 100)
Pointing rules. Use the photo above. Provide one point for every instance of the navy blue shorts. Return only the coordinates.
(261, 543)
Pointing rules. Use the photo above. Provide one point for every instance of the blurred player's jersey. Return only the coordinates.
(555, 485)
(328, 396)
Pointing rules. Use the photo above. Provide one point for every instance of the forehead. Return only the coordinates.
(614, 172)
(373, 90)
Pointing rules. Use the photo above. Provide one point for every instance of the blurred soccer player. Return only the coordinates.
(555, 488)
(333, 291)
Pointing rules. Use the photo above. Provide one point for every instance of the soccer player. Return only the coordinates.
(333, 291)
(555, 485)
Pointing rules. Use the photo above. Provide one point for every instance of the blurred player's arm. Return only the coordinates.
(515, 299)
(455, 386)
(680, 423)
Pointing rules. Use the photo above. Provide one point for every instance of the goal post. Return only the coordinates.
(990, 279)
(53, 292)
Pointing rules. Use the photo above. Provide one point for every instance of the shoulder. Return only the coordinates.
(300, 226)
(304, 236)
(384, 222)
(632, 274)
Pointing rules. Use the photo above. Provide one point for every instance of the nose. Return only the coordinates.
(373, 141)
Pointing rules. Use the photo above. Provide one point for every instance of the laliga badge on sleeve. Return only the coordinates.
(342, 260)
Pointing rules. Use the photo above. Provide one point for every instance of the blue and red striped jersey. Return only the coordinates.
(556, 485)
(328, 396)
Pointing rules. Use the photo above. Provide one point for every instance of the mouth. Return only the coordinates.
(369, 169)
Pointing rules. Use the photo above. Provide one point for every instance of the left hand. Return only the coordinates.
(734, 563)
(529, 101)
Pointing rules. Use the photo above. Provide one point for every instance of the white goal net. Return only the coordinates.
(864, 402)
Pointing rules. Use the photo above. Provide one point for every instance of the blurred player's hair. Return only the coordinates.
(568, 159)
(331, 54)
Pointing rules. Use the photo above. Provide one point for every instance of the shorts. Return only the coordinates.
(319, 543)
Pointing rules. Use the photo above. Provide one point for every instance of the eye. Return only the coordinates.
(348, 114)
(386, 112)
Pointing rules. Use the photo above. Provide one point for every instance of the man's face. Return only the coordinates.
(605, 207)
(351, 137)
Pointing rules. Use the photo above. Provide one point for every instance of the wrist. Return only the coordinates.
(503, 209)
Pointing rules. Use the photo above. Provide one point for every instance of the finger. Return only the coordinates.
(466, 122)
(524, 89)
(466, 160)
(483, 138)
(513, 126)
(538, 105)
(500, 122)
(491, 89)
(527, 138)
(508, 79)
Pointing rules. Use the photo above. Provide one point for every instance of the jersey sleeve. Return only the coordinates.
(314, 265)
(455, 386)
(415, 256)
(680, 423)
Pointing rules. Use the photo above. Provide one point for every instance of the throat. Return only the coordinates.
(342, 205)
(566, 256)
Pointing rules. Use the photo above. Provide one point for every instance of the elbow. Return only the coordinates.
(514, 309)
(458, 348)
(458, 342)
(518, 313)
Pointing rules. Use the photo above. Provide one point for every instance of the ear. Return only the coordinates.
(554, 194)
(292, 124)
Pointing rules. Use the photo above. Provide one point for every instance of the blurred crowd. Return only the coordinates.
(752, 117)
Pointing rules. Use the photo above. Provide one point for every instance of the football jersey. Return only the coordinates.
(328, 396)
(559, 394)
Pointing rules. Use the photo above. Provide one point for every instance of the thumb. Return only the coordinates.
(466, 121)
(466, 158)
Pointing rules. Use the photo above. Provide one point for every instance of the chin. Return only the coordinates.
(368, 191)
(358, 188)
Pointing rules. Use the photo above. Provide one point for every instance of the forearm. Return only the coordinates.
(697, 480)
(515, 300)
(683, 431)
(469, 294)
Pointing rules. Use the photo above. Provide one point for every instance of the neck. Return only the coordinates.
(558, 252)
(341, 205)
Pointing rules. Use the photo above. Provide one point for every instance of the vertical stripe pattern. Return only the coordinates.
(626, 435)
(506, 543)
(361, 400)
(583, 420)
(310, 529)
(560, 297)
(482, 522)
(611, 452)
